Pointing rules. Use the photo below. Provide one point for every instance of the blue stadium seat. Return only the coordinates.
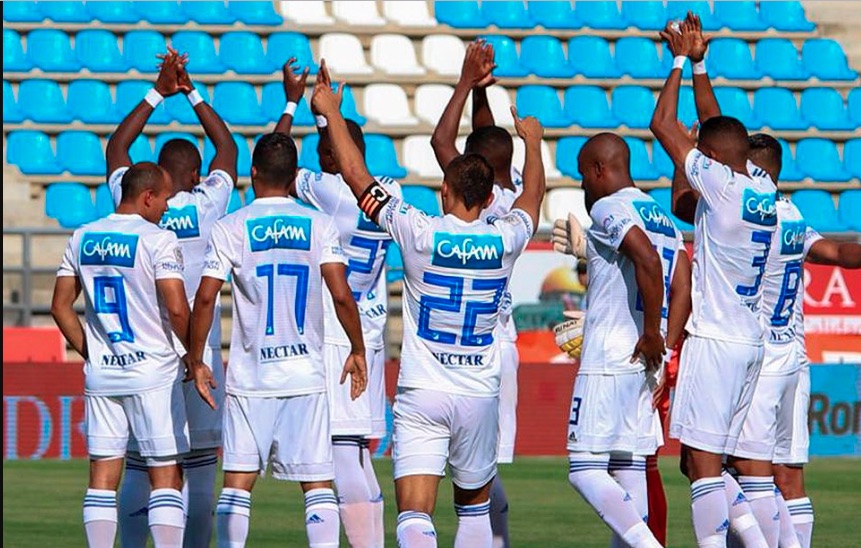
(567, 150)
(113, 12)
(237, 102)
(141, 150)
(646, 15)
(201, 51)
(14, 59)
(776, 108)
(507, 14)
(740, 15)
(852, 161)
(785, 16)
(161, 13)
(130, 93)
(104, 201)
(65, 12)
(32, 152)
(235, 201)
(22, 12)
(243, 158)
(90, 101)
(735, 102)
(255, 13)
(731, 58)
(824, 109)
(81, 153)
(825, 59)
(661, 160)
(308, 157)
(778, 58)
(586, 106)
(553, 14)
(208, 13)
(849, 209)
(687, 106)
(818, 159)
(590, 56)
(854, 104)
(163, 138)
(460, 15)
(274, 101)
(506, 58)
(641, 164)
(70, 203)
(679, 10)
(599, 15)
(544, 57)
(250, 196)
(11, 113)
(178, 108)
(382, 158)
(281, 46)
(664, 197)
(817, 207)
(50, 50)
(348, 107)
(638, 58)
(633, 106)
(788, 169)
(422, 198)
(140, 48)
(97, 50)
(42, 101)
(543, 103)
(243, 53)
(394, 264)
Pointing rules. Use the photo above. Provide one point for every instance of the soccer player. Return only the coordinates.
(278, 253)
(353, 422)
(734, 221)
(456, 273)
(193, 208)
(131, 274)
(494, 144)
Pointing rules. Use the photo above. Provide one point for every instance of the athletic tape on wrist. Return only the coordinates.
(321, 121)
(194, 98)
(153, 97)
(700, 67)
(679, 61)
(290, 108)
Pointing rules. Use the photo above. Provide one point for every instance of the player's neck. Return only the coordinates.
(505, 183)
(460, 211)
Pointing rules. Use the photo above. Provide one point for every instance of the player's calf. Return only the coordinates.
(100, 502)
(472, 507)
(790, 480)
(322, 522)
(354, 494)
(166, 509)
(199, 469)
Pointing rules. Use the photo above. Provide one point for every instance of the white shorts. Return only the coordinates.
(156, 419)
(508, 401)
(434, 427)
(612, 413)
(713, 393)
(797, 450)
(291, 433)
(377, 393)
(769, 420)
(204, 423)
(347, 417)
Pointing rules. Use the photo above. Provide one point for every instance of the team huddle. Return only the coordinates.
(304, 389)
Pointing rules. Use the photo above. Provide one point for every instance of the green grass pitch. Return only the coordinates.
(42, 505)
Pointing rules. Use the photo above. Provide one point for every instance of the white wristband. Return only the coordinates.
(153, 97)
(700, 67)
(321, 121)
(194, 98)
(679, 61)
(290, 108)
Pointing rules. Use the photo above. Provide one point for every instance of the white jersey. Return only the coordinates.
(365, 245)
(733, 225)
(118, 260)
(455, 276)
(783, 286)
(614, 323)
(274, 249)
(190, 215)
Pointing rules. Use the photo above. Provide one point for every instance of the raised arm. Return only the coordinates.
(66, 291)
(294, 89)
(529, 129)
(665, 124)
(650, 281)
(482, 116)
(704, 95)
(684, 197)
(680, 299)
(335, 276)
(842, 254)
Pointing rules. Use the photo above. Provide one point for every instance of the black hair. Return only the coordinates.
(470, 177)
(724, 132)
(582, 266)
(275, 159)
(492, 142)
(139, 178)
(766, 146)
(179, 155)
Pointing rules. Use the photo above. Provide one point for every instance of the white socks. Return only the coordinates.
(322, 522)
(133, 503)
(801, 511)
(100, 517)
(354, 494)
(759, 491)
(473, 526)
(166, 518)
(499, 514)
(741, 519)
(415, 530)
(788, 538)
(376, 496)
(198, 493)
(709, 512)
(630, 473)
(232, 516)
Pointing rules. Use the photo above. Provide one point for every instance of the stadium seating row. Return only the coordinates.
(157, 13)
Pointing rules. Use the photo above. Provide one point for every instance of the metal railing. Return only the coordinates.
(21, 303)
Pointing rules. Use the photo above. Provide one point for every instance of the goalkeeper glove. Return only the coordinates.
(568, 237)
(569, 334)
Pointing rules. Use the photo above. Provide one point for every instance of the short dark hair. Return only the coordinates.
(179, 155)
(763, 145)
(582, 266)
(275, 159)
(492, 142)
(471, 178)
(723, 129)
(139, 178)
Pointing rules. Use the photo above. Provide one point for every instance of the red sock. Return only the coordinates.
(657, 500)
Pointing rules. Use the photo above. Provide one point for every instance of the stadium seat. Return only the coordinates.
(731, 58)
(141, 150)
(646, 15)
(789, 171)
(510, 14)
(849, 209)
(518, 158)
(130, 93)
(500, 102)
(307, 12)
(460, 15)
(419, 157)
(249, 195)
(817, 207)
(208, 13)
(678, 11)
(42, 101)
(243, 159)
(32, 152)
(567, 150)
(179, 109)
(200, 48)
(408, 13)
(11, 113)
(140, 48)
(825, 59)
(664, 197)
(387, 104)
(14, 59)
(854, 104)
(638, 58)
(430, 101)
(785, 16)
(308, 157)
(422, 198)
(633, 106)
(590, 56)
(543, 56)
(90, 101)
(739, 16)
(687, 106)
(559, 202)
(344, 54)
(274, 101)
(661, 160)
(70, 203)
(852, 161)
(543, 103)
(97, 50)
(381, 156)
(281, 46)
(735, 102)
(255, 13)
(242, 52)
(163, 138)
(104, 201)
(443, 54)
(235, 201)
(505, 56)
(362, 13)
(553, 14)
(113, 12)
(394, 264)
(22, 12)
(161, 13)
(599, 15)
(81, 153)
(50, 50)
(586, 106)
(237, 102)
(641, 164)
(818, 159)
(824, 109)
(776, 108)
(65, 12)
(348, 106)
(394, 54)
(778, 58)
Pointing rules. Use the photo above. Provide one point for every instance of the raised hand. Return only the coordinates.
(699, 43)
(679, 42)
(324, 101)
(529, 129)
(357, 368)
(183, 79)
(477, 65)
(294, 84)
(167, 82)
(489, 57)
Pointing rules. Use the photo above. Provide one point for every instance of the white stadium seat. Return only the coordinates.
(430, 101)
(443, 54)
(408, 13)
(344, 54)
(358, 12)
(307, 12)
(419, 157)
(519, 156)
(559, 202)
(500, 106)
(394, 54)
(387, 104)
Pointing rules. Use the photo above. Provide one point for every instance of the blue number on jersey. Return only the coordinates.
(668, 255)
(453, 304)
(367, 266)
(110, 298)
(300, 271)
(793, 276)
(758, 237)
(575, 411)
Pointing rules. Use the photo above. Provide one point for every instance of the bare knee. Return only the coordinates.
(105, 473)
(417, 493)
(700, 464)
(468, 497)
(790, 481)
(168, 476)
(240, 480)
